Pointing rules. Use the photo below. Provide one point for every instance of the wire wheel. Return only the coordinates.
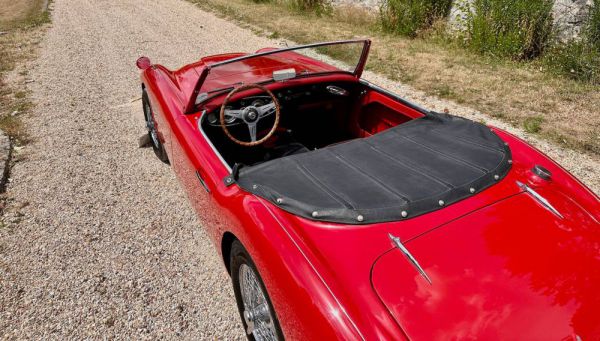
(157, 146)
(257, 313)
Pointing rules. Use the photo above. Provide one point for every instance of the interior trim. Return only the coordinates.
(394, 96)
(212, 146)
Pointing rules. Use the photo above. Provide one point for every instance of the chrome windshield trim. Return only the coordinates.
(545, 203)
(398, 244)
(266, 53)
(202, 116)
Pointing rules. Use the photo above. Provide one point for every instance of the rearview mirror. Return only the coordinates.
(281, 75)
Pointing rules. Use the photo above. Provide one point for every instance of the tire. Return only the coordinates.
(264, 325)
(157, 146)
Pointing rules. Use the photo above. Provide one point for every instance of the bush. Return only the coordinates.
(408, 17)
(518, 29)
(317, 6)
(592, 30)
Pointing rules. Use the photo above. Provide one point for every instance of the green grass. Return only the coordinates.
(30, 15)
(533, 124)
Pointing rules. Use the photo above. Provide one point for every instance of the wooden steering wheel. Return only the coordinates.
(250, 115)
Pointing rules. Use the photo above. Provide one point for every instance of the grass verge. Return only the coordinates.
(19, 36)
(516, 92)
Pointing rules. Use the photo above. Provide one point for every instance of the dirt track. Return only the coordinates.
(100, 241)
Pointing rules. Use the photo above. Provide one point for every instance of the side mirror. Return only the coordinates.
(143, 63)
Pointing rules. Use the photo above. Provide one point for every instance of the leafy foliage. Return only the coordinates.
(409, 17)
(518, 29)
(592, 29)
(318, 7)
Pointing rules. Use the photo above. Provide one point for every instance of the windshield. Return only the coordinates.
(344, 56)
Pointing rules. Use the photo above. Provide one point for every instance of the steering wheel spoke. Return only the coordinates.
(234, 113)
(266, 110)
(252, 130)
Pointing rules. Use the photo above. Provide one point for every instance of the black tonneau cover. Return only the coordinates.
(405, 171)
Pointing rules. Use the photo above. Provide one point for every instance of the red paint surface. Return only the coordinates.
(494, 279)
(493, 257)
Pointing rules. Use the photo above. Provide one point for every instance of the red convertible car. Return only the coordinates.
(342, 211)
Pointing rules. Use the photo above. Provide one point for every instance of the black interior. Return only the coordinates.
(312, 117)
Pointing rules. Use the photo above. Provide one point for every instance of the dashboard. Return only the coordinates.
(295, 97)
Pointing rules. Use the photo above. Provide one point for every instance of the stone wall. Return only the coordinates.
(568, 14)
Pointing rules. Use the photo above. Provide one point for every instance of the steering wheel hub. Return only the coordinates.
(250, 114)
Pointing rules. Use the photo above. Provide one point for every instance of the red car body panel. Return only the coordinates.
(335, 281)
(511, 282)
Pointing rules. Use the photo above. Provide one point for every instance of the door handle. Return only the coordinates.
(202, 182)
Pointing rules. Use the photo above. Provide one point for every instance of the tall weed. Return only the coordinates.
(517, 29)
(409, 17)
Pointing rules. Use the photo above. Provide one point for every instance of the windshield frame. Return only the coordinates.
(192, 103)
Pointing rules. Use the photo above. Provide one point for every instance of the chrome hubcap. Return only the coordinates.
(257, 314)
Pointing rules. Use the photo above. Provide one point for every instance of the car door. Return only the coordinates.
(200, 173)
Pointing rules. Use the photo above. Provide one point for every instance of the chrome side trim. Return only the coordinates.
(202, 116)
(540, 199)
(397, 243)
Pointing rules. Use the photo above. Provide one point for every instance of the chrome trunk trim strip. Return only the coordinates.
(397, 243)
(545, 203)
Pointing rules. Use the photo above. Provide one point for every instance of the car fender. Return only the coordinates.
(305, 305)
(165, 100)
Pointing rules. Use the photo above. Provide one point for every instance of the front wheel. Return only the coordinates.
(254, 305)
(157, 146)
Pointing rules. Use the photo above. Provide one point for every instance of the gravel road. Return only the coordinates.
(107, 245)
(98, 238)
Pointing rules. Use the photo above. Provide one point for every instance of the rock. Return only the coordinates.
(569, 17)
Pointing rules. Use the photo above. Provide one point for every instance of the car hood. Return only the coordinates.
(497, 277)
